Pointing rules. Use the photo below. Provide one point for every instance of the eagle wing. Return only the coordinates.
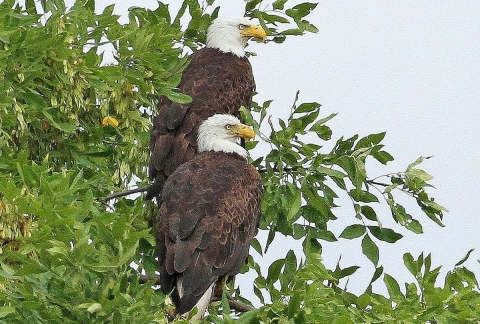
(207, 219)
(218, 83)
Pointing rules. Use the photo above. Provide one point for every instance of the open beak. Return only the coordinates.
(242, 131)
(254, 31)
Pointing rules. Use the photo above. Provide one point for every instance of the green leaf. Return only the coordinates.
(417, 162)
(364, 301)
(348, 271)
(382, 157)
(279, 4)
(60, 4)
(317, 127)
(292, 32)
(363, 196)
(225, 305)
(295, 204)
(370, 140)
(68, 128)
(5, 35)
(414, 226)
(311, 246)
(411, 264)
(331, 172)
(273, 19)
(465, 258)
(91, 307)
(369, 213)
(306, 119)
(377, 274)
(418, 173)
(270, 238)
(301, 10)
(274, 270)
(179, 97)
(251, 4)
(6, 310)
(307, 107)
(290, 269)
(325, 235)
(385, 234)
(393, 288)
(34, 100)
(370, 249)
(256, 246)
(353, 231)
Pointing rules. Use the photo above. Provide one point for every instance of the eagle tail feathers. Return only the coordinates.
(202, 303)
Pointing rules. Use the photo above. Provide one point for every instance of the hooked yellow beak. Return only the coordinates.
(254, 31)
(242, 131)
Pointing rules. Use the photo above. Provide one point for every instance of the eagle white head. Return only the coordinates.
(230, 35)
(220, 133)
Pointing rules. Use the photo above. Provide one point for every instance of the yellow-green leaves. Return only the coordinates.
(108, 120)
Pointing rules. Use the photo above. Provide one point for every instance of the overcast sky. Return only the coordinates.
(411, 68)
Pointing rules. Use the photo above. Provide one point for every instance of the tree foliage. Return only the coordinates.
(78, 89)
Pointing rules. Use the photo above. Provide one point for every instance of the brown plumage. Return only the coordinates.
(207, 219)
(218, 81)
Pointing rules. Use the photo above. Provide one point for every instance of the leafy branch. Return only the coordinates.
(298, 179)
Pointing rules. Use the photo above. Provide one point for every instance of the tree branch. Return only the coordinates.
(270, 123)
(145, 278)
(286, 169)
(125, 193)
(143, 189)
(372, 182)
(234, 304)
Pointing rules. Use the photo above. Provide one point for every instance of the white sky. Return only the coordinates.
(411, 68)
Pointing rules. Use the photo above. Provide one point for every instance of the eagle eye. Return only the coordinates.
(228, 126)
(241, 26)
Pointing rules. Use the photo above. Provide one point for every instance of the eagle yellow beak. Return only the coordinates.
(242, 131)
(254, 31)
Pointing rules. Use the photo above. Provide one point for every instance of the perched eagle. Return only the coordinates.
(208, 215)
(219, 79)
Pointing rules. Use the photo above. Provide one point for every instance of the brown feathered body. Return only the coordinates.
(219, 83)
(208, 217)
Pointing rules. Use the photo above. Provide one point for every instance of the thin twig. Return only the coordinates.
(144, 279)
(125, 193)
(270, 123)
(143, 189)
(235, 304)
(372, 182)
(286, 169)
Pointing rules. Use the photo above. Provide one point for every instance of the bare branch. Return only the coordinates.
(145, 278)
(372, 182)
(287, 169)
(125, 193)
(270, 123)
(235, 304)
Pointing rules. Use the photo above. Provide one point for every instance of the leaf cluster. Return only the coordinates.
(74, 264)
(309, 295)
(304, 182)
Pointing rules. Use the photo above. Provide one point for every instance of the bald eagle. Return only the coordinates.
(208, 215)
(219, 79)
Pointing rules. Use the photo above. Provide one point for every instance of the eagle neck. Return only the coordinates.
(224, 146)
(235, 48)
